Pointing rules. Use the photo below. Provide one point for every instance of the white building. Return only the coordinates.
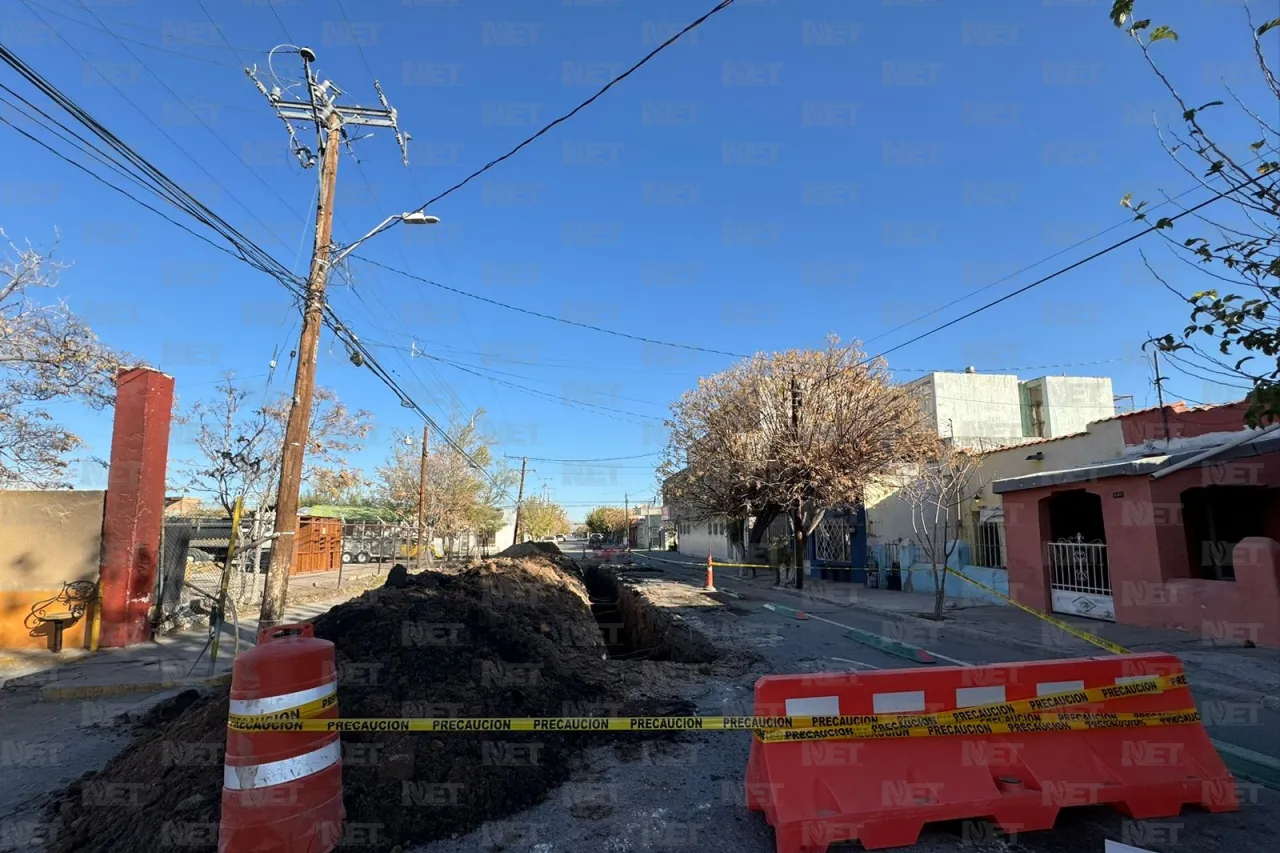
(985, 411)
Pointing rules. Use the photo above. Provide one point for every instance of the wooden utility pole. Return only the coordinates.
(285, 544)
(423, 545)
(1164, 413)
(798, 517)
(519, 502)
(319, 110)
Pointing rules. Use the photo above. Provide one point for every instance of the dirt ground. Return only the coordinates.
(507, 637)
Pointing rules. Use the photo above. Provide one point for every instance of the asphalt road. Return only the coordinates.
(1247, 725)
(688, 795)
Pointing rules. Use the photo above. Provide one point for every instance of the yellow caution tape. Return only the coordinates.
(1021, 712)
(1057, 623)
(1114, 648)
(714, 563)
(1045, 723)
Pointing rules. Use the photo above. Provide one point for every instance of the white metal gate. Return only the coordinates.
(832, 543)
(1079, 578)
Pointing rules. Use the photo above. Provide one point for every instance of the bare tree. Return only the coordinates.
(240, 443)
(1233, 333)
(938, 488)
(460, 498)
(46, 353)
(803, 431)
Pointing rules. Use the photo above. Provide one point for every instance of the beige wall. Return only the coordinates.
(46, 539)
(1103, 440)
(889, 515)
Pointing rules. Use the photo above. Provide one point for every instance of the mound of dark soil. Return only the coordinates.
(531, 549)
(504, 638)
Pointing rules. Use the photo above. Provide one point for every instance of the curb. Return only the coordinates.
(786, 611)
(915, 654)
(83, 692)
(1249, 765)
(1267, 700)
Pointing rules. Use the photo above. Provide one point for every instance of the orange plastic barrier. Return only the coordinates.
(282, 791)
(882, 792)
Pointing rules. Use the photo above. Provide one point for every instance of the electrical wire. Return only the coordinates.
(1027, 268)
(719, 7)
(551, 317)
(168, 190)
(1063, 270)
(601, 459)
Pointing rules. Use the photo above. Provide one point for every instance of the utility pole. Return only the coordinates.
(329, 120)
(626, 518)
(798, 518)
(1164, 413)
(423, 545)
(304, 382)
(524, 461)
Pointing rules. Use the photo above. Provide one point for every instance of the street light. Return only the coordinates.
(415, 217)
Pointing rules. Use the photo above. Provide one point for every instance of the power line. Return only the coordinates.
(1016, 273)
(602, 459)
(161, 130)
(104, 29)
(550, 317)
(564, 401)
(1144, 232)
(164, 187)
(719, 7)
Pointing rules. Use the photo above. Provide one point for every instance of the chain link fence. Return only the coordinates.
(193, 555)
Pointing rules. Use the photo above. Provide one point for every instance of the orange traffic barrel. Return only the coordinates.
(282, 790)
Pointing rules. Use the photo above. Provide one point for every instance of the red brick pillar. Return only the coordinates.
(134, 511)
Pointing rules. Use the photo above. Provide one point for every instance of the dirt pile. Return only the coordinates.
(532, 549)
(504, 638)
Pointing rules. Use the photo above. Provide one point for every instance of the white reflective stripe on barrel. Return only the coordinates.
(967, 697)
(814, 706)
(283, 702)
(252, 776)
(897, 703)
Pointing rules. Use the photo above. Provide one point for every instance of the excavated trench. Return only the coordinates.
(634, 629)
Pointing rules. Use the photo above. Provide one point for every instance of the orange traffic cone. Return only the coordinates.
(710, 585)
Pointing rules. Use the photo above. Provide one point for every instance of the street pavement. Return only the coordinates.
(1244, 727)
(688, 794)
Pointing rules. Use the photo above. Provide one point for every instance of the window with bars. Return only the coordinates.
(988, 545)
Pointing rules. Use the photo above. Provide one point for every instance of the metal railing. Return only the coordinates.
(1078, 566)
(988, 545)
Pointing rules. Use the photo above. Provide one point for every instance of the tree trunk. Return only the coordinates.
(939, 590)
(801, 540)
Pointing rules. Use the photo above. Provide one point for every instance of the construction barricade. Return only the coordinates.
(1120, 731)
(282, 791)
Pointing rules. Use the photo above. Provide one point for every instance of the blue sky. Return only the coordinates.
(797, 168)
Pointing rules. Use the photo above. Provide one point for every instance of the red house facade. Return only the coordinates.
(1180, 538)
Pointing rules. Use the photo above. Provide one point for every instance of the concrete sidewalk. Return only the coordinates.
(167, 663)
(1235, 672)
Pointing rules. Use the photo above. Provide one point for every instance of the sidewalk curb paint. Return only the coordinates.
(786, 611)
(1200, 686)
(915, 654)
(101, 691)
(1249, 765)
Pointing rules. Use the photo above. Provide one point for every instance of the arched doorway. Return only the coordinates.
(1076, 555)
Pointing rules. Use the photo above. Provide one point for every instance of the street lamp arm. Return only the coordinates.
(416, 217)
